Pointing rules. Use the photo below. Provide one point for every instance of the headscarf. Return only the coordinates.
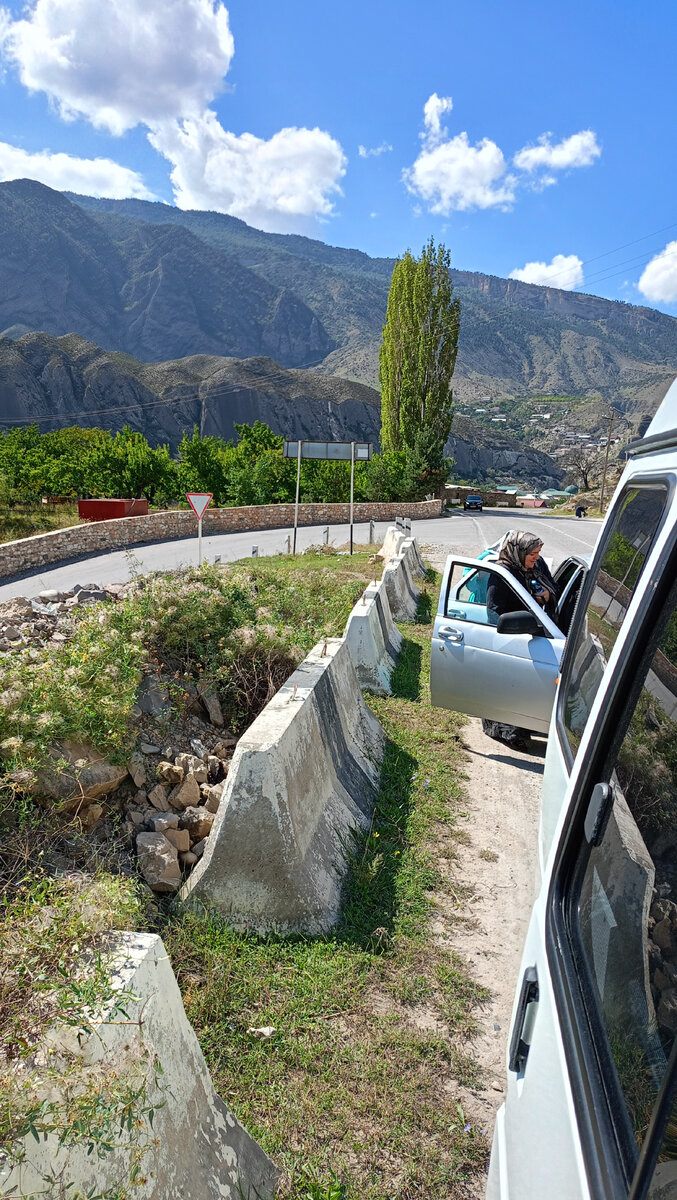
(513, 552)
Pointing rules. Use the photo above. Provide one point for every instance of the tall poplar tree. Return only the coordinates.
(418, 352)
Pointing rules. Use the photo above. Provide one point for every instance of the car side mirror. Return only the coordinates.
(520, 622)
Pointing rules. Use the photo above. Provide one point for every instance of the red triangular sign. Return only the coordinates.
(198, 501)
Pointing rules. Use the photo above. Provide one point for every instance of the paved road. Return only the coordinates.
(459, 532)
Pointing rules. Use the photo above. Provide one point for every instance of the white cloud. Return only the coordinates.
(365, 152)
(565, 272)
(120, 63)
(278, 185)
(457, 175)
(579, 150)
(89, 176)
(658, 281)
(451, 173)
(433, 110)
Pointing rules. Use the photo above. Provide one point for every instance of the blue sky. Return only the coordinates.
(532, 138)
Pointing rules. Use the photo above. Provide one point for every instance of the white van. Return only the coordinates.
(591, 1102)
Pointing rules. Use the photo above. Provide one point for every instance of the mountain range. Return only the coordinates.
(160, 283)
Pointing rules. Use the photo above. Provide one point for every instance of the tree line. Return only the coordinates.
(83, 463)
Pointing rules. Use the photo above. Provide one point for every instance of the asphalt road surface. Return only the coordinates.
(458, 532)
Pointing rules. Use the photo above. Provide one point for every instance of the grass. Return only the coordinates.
(342, 1055)
(354, 1092)
(25, 520)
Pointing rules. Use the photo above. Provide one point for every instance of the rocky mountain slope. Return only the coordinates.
(70, 381)
(159, 283)
(516, 338)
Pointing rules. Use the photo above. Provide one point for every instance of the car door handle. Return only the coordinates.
(450, 633)
(519, 1049)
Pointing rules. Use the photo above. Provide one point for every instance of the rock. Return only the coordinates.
(188, 858)
(180, 838)
(667, 1011)
(86, 775)
(158, 797)
(169, 773)
(209, 697)
(227, 743)
(141, 799)
(199, 749)
(146, 748)
(212, 797)
(163, 822)
(153, 697)
(213, 767)
(192, 765)
(137, 769)
(91, 815)
(198, 822)
(91, 596)
(185, 794)
(12, 633)
(662, 934)
(136, 816)
(158, 862)
(199, 848)
(59, 636)
(50, 596)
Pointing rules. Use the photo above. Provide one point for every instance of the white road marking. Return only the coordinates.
(565, 533)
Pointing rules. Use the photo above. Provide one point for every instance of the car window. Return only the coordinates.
(629, 539)
(467, 596)
(564, 573)
(627, 890)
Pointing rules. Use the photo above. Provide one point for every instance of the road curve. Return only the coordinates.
(457, 532)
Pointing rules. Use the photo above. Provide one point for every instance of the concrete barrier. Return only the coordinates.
(373, 640)
(413, 555)
(392, 542)
(194, 1148)
(303, 776)
(400, 589)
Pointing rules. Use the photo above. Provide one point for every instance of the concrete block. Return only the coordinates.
(195, 1149)
(373, 640)
(392, 542)
(410, 549)
(303, 776)
(400, 589)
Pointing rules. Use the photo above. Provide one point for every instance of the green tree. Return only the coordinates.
(418, 353)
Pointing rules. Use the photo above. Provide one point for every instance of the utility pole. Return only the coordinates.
(612, 414)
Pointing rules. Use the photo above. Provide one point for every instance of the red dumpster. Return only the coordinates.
(104, 510)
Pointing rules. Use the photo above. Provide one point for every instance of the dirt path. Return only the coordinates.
(498, 864)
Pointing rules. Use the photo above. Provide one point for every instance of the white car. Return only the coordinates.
(506, 671)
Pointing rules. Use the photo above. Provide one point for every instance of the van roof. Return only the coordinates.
(662, 431)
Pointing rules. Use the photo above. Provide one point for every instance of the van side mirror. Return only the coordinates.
(520, 622)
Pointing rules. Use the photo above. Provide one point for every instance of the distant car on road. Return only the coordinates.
(472, 502)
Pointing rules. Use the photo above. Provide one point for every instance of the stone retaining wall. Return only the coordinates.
(30, 553)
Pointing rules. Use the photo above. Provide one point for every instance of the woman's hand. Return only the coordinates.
(543, 597)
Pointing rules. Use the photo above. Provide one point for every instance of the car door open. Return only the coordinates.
(476, 667)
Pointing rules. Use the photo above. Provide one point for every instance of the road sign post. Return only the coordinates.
(298, 488)
(351, 452)
(199, 502)
(352, 491)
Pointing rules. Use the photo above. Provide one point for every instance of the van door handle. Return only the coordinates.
(451, 633)
(519, 1049)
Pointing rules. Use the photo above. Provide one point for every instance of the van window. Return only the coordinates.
(628, 541)
(626, 889)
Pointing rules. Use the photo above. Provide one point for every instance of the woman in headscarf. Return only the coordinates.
(520, 555)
